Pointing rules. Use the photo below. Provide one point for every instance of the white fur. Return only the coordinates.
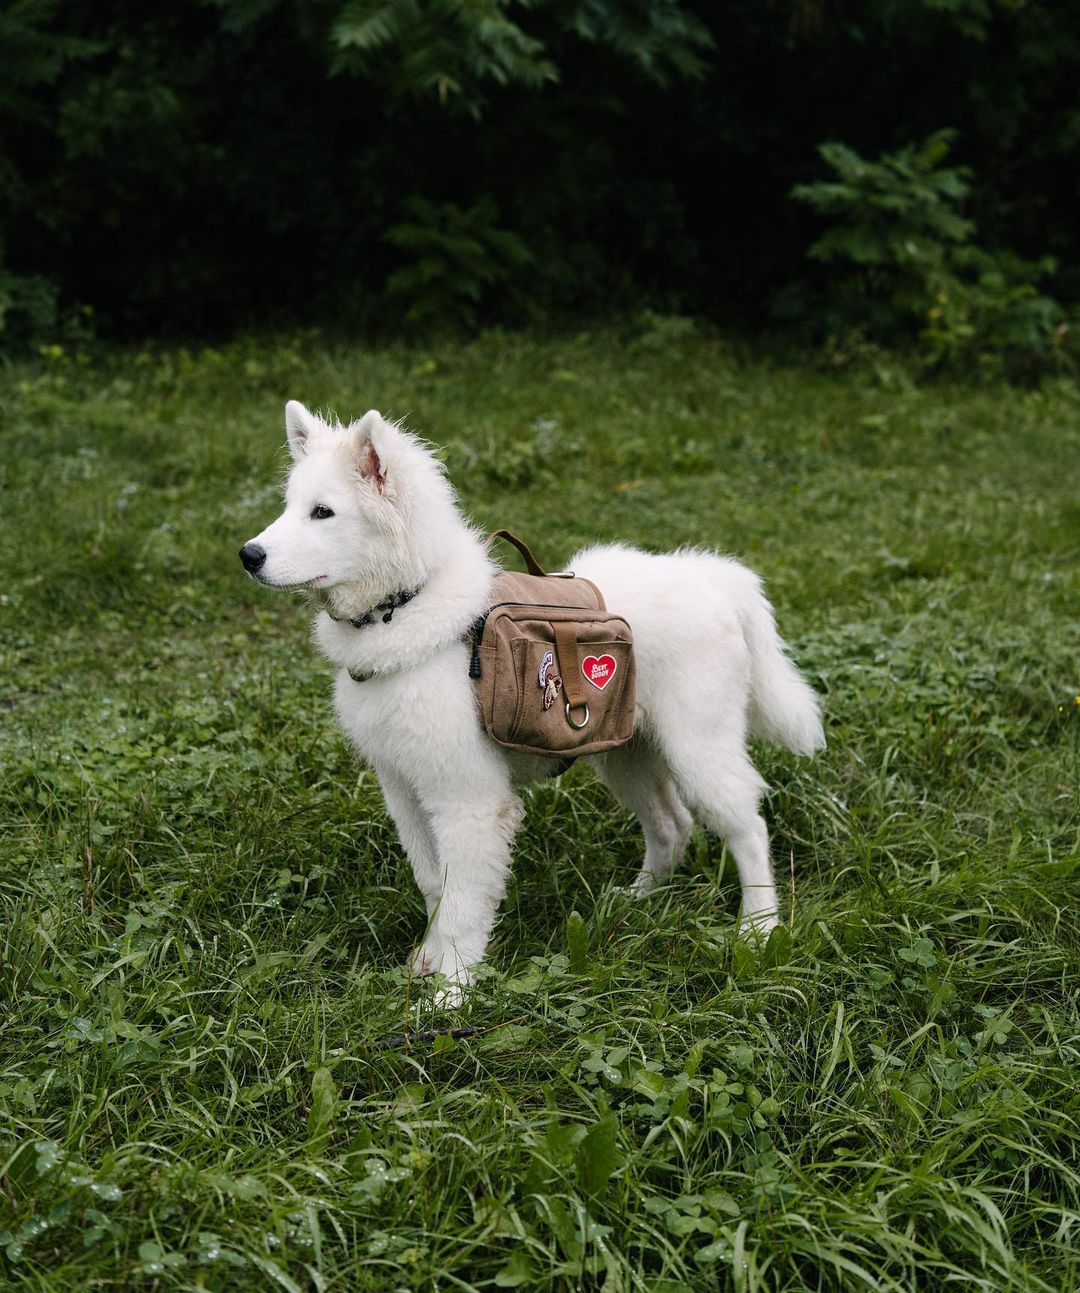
(711, 668)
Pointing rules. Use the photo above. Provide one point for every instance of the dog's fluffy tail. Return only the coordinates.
(783, 706)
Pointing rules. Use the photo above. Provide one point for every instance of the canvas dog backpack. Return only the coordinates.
(553, 668)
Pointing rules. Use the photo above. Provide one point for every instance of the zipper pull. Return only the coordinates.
(477, 631)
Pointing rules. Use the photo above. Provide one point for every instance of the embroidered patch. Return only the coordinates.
(545, 665)
(599, 670)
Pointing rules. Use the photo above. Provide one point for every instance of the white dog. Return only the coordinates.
(372, 524)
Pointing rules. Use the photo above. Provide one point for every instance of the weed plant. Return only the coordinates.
(204, 912)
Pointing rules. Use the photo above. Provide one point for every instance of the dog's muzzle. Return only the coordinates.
(253, 557)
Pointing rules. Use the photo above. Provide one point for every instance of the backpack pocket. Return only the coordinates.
(556, 681)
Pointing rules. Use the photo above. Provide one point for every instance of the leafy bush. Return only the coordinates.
(31, 58)
(458, 50)
(986, 306)
(27, 307)
(198, 168)
(455, 256)
(447, 48)
(914, 271)
(894, 219)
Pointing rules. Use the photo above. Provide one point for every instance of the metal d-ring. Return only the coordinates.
(584, 722)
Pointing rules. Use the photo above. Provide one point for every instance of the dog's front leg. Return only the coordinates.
(414, 831)
(418, 840)
(473, 838)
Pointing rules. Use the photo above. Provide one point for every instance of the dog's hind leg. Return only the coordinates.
(638, 778)
(727, 795)
(723, 788)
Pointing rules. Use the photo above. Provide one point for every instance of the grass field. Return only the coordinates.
(204, 913)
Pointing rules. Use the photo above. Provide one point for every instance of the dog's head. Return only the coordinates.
(350, 495)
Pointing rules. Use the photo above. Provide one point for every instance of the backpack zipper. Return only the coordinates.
(477, 630)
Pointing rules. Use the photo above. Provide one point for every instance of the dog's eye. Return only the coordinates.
(320, 512)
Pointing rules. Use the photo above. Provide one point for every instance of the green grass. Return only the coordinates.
(204, 912)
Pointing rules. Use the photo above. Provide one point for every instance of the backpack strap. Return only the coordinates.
(566, 648)
(534, 567)
(531, 564)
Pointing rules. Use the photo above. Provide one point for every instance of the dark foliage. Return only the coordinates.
(184, 167)
(908, 265)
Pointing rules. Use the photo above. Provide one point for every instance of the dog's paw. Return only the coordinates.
(429, 958)
(758, 925)
(643, 885)
(451, 996)
(646, 883)
(435, 957)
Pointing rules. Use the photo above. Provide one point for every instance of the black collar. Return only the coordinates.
(384, 610)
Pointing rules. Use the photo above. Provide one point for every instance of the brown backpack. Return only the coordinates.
(553, 668)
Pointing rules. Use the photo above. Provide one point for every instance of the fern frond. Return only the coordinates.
(365, 28)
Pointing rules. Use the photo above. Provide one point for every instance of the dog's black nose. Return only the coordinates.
(252, 556)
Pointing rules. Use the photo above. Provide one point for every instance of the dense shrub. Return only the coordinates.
(456, 257)
(913, 270)
(191, 168)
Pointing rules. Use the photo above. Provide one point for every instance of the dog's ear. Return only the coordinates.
(300, 426)
(369, 440)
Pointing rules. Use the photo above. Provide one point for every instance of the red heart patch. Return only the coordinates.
(599, 670)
